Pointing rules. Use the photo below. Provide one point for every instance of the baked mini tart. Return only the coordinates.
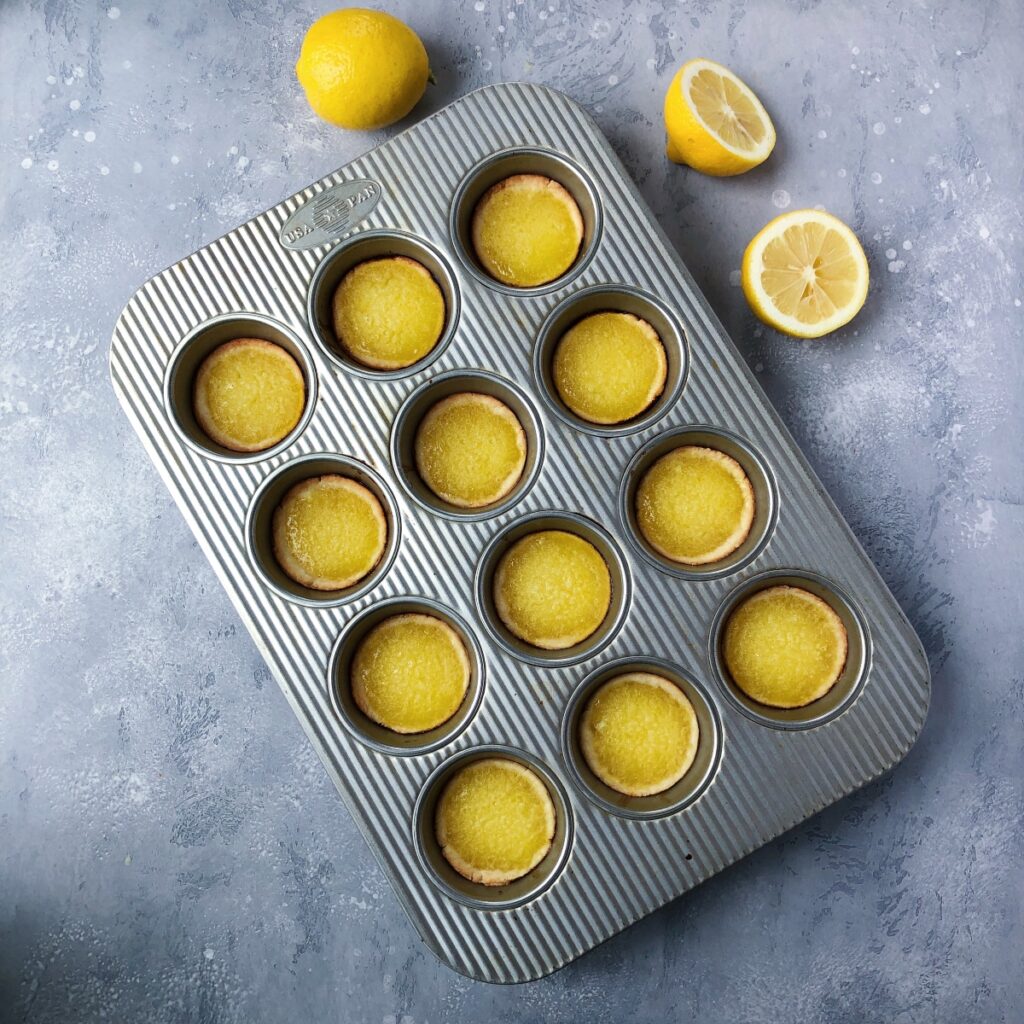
(470, 450)
(329, 532)
(248, 395)
(494, 821)
(526, 230)
(784, 647)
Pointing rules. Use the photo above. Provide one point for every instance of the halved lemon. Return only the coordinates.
(714, 122)
(805, 274)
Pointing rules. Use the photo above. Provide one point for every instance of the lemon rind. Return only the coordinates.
(357, 683)
(587, 746)
(491, 876)
(292, 567)
(495, 405)
(201, 407)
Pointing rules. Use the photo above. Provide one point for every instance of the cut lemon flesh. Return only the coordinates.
(639, 734)
(695, 505)
(552, 589)
(527, 230)
(495, 821)
(784, 647)
(248, 394)
(388, 313)
(329, 532)
(805, 274)
(714, 122)
(610, 367)
(470, 449)
(410, 673)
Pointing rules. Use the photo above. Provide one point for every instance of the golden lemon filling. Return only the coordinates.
(610, 367)
(494, 821)
(470, 450)
(695, 505)
(410, 673)
(388, 313)
(784, 647)
(552, 589)
(639, 734)
(527, 230)
(329, 532)
(248, 394)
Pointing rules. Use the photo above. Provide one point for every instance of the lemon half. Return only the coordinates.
(805, 274)
(714, 122)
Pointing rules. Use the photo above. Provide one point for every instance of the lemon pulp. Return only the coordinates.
(805, 273)
(470, 449)
(388, 313)
(695, 505)
(410, 673)
(248, 394)
(329, 532)
(527, 230)
(639, 734)
(552, 589)
(610, 367)
(784, 647)
(494, 821)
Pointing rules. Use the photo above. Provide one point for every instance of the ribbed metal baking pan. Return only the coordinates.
(613, 862)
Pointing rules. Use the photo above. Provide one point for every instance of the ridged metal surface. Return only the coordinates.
(618, 870)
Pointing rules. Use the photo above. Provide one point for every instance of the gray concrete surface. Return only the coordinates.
(170, 849)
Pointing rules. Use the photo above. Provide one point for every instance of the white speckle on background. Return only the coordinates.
(75, 105)
(175, 159)
(479, 6)
(895, 266)
(878, 128)
(114, 13)
(820, 206)
(51, 79)
(1016, 302)
(841, 172)
(104, 170)
(208, 953)
(651, 62)
(983, 232)
(52, 165)
(613, 79)
(853, 67)
(486, 65)
(137, 167)
(127, 65)
(925, 108)
(876, 178)
(243, 162)
(890, 254)
(601, 29)
(233, 151)
(89, 136)
(897, 120)
(822, 134)
(908, 245)
(780, 199)
(855, 50)
(26, 163)
(511, 15)
(734, 278)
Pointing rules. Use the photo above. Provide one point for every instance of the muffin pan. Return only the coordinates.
(759, 771)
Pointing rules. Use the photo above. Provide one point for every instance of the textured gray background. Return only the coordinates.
(170, 848)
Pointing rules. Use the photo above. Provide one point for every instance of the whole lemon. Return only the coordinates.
(362, 69)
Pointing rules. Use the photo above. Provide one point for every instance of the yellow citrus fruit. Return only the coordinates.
(805, 274)
(714, 122)
(362, 69)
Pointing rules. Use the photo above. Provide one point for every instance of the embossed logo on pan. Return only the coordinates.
(330, 214)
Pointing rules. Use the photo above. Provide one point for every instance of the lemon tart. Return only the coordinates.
(388, 313)
(610, 367)
(248, 394)
(470, 450)
(639, 734)
(494, 821)
(784, 647)
(552, 589)
(527, 230)
(329, 532)
(695, 505)
(410, 673)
